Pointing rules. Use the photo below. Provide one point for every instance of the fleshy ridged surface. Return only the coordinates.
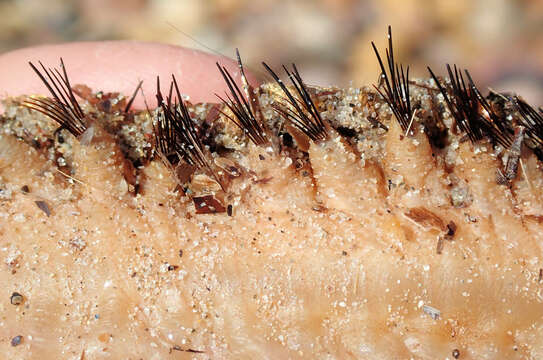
(344, 251)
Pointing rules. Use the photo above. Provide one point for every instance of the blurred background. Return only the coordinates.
(500, 41)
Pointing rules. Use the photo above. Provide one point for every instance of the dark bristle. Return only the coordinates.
(240, 65)
(175, 132)
(396, 82)
(133, 97)
(465, 103)
(303, 113)
(244, 116)
(63, 107)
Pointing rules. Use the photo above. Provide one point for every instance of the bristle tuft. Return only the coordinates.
(302, 113)
(244, 116)
(493, 126)
(396, 82)
(473, 114)
(63, 107)
(175, 133)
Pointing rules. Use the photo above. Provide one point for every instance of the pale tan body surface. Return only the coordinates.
(335, 263)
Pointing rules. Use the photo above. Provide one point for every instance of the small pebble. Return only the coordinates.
(17, 340)
(16, 299)
(456, 353)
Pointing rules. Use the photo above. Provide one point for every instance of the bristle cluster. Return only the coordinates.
(244, 116)
(471, 111)
(532, 120)
(396, 85)
(302, 113)
(63, 107)
(175, 132)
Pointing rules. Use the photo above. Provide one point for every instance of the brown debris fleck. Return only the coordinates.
(319, 208)
(42, 205)
(207, 204)
(264, 180)
(213, 114)
(184, 171)
(451, 229)
(83, 91)
(107, 102)
(130, 173)
(189, 350)
(425, 218)
(439, 248)
(301, 139)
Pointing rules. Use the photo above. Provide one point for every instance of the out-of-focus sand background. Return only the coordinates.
(500, 41)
